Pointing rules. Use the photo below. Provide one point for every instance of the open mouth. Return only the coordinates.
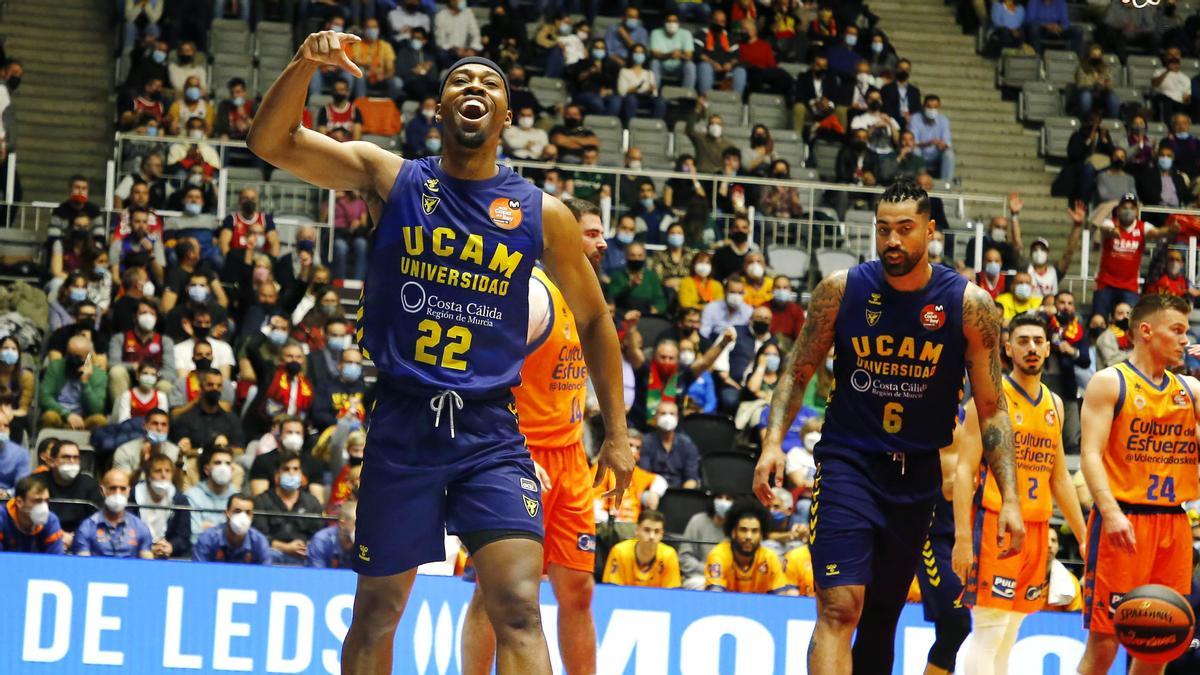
(473, 109)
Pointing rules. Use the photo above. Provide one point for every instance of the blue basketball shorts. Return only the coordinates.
(419, 483)
(941, 589)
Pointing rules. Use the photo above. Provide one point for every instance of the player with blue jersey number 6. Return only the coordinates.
(444, 316)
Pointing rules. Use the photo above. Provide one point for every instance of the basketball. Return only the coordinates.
(1154, 623)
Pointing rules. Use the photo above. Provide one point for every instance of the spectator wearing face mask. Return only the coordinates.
(141, 345)
(14, 457)
(758, 284)
(147, 394)
(1094, 83)
(232, 539)
(1123, 241)
(931, 131)
(525, 141)
(260, 353)
(668, 452)
(787, 316)
(170, 530)
(764, 375)
(675, 263)
(74, 389)
(1171, 279)
(343, 398)
(1185, 146)
(748, 343)
(203, 420)
(341, 115)
(192, 105)
(1114, 344)
(730, 258)
(1019, 298)
(416, 65)
(288, 536)
(66, 482)
(614, 254)
(200, 358)
(148, 62)
(671, 50)
(456, 33)
(77, 203)
(1163, 184)
(377, 60)
(237, 227)
(708, 139)
(780, 201)
(286, 391)
(635, 286)
(699, 288)
(407, 17)
(212, 492)
(333, 547)
(197, 224)
(286, 435)
(310, 331)
(323, 365)
(730, 311)
(201, 295)
(27, 525)
(132, 456)
(417, 128)
(901, 98)
(595, 81)
(653, 217)
(638, 87)
(346, 457)
(700, 536)
(217, 353)
(188, 63)
(140, 245)
(112, 532)
(572, 138)
(1172, 88)
(1046, 276)
(1114, 181)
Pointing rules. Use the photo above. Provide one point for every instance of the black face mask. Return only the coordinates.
(902, 76)
(573, 123)
(758, 140)
(760, 327)
(739, 237)
(874, 106)
(73, 365)
(818, 73)
(1123, 324)
(1065, 318)
(13, 83)
(249, 208)
(1097, 62)
(635, 265)
(858, 145)
(292, 368)
(1095, 332)
(1117, 164)
(354, 461)
(202, 364)
(339, 98)
(186, 58)
(780, 176)
(200, 332)
(211, 398)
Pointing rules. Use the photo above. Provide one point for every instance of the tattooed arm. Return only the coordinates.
(808, 354)
(981, 326)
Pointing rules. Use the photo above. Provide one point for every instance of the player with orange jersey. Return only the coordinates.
(549, 405)
(1000, 589)
(1139, 458)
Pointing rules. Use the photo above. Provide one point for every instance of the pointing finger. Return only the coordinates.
(346, 62)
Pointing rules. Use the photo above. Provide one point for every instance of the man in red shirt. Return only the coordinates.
(1124, 238)
(787, 316)
(758, 58)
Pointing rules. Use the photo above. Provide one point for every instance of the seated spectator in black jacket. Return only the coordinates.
(323, 365)
(856, 165)
(66, 482)
(937, 209)
(572, 138)
(416, 66)
(344, 397)
(288, 536)
(203, 419)
(1162, 184)
(1077, 180)
(171, 530)
(810, 88)
(748, 340)
(901, 99)
(594, 81)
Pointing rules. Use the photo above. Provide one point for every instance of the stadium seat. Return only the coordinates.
(1115, 67)
(825, 155)
(228, 66)
(652, 329)
(712, 433)
(1015, 70)
(730, 472)
(790, 261)
(224, 41)
(1156, 130)
(1130, 95)
(597, 122)
(670, 93)
(1039, 100)
(678, 505)
(548, 91)
(1139, 71)
(730, 112)
(1116, 129)
(1056, 132)
(1059, 67)
(769, 109)
(1190, 66)
(273, 45)
(830, 260)
(793, 69)
(651, 137)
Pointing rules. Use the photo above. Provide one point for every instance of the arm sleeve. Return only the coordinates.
(145, 539)
(82, 544)
(95, 392)
(714, 571)
(612, 570)
(202, 551)
(167, 372)
(124, 406)
(693, 465)
(316, 553)
(114, 350)
(54, 538)
(51, 386)
(670, 569)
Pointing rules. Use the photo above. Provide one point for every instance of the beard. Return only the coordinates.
(903, 267)
(469, 139)
(1027, 369)
(746, 548)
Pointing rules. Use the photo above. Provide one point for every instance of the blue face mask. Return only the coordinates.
(151, 131)
(290, 481)
(337, 28)
(77, 294)
(632, 24)
(992, 269)
(100, 270)
(198, 293)
(647, 203)
(1165, 163)
(417, 45)
(550, 188)
(851, 40)
(675, 240)
(4, 438)
(339, 343)
(1183, 135)
(625, 237)
(877, 47)
(156, 437)
(598, 54)
(9, 357)
(433, 144)
(778, 517)
(351, 372)
(639, 58)
(192, 209)
(192, 93)
(772, 363)
(371, 34)
(158, 56)
(278, 336)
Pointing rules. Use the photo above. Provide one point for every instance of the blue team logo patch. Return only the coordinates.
(1004, 588)
(714, 570)
(586, 542)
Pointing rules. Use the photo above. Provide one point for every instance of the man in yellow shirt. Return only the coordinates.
(1020, 298)
(645, 489)
(740, 563)
(797, 567)
(644, 561)
(377, 60)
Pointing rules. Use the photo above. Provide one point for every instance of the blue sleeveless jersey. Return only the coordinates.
(446, 301)
(899, 365)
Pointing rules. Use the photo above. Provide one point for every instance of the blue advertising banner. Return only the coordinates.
(93, 615)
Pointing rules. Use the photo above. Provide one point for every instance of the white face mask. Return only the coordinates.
(721, 506)
(734, 300)
(687, 357)
(668, 422)
(240, 523)
(146, 322)
(148, 381)
(68, 472)
(999, 234)
(525, 122)
(160, 487)
(292, 442)
(1022, 291)
(703, 269)
(714, 130)
(671, 27)
(755, 270)
(1039, 257)
(222, 474)
(810, 440)
(116, 503)
(936, 248)
(635, 164)
(148, 289)
(40, 514)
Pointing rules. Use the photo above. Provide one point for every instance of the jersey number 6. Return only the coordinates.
(458, 341)
(891, 417)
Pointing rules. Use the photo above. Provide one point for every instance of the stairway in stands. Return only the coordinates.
(64, 106)
(996, 154)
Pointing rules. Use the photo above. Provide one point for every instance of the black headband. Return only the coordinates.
(481, 61)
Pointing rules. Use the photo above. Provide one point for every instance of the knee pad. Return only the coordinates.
(950, 632)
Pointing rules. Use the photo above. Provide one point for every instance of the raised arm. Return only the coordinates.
(1077, 213)
(277, 136)
(1096, 418)
(981, 326)
(808, 354)
(970, 453)
(571, 271)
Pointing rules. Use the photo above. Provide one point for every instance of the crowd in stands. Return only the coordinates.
(214, 367)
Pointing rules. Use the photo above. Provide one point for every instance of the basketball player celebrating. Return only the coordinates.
(550, 403)
(1001, 592)
(1139, 458)
(445, 318)
(941, 589)
(904, 333)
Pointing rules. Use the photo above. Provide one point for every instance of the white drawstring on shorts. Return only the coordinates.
(439, 401)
